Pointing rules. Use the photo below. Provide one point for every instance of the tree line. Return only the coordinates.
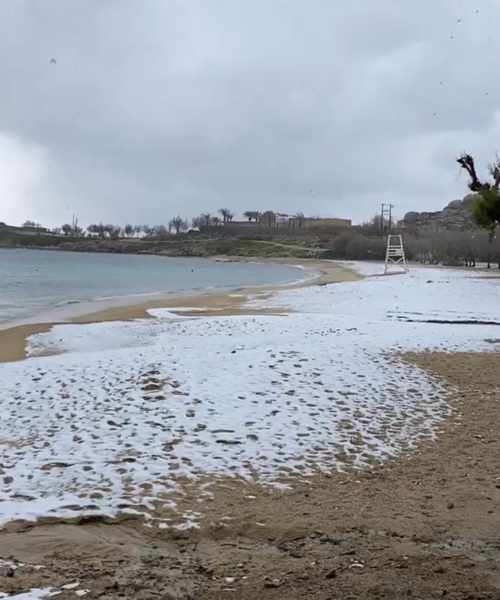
(176, 225)
(449, 248)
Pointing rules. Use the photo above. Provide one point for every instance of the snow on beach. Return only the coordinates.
(125, 411)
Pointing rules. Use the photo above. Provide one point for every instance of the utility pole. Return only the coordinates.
(386, 215)
(74, 223)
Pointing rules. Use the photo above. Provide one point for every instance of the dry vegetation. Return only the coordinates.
(452, 248)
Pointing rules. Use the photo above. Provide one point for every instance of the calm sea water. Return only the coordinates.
(35, 282)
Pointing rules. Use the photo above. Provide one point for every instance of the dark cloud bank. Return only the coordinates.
(166, 106)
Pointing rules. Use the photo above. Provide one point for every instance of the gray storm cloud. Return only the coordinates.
(163, 107)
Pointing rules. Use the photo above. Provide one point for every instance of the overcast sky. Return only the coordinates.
(163, 107)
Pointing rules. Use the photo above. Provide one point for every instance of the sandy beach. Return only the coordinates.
(13, 340)
(423, 525)
(314, 441)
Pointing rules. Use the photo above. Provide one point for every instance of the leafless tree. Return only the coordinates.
(177, 224)
(227, 215)
(252, 215)
(160, 232)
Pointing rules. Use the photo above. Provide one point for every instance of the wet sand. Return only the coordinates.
(13, 340)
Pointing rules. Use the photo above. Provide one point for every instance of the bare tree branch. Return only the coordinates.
(467, 162)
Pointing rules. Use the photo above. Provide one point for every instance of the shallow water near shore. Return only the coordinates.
(39, 282)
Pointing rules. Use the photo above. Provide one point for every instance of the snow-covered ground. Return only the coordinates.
(124, 411)
(34, 594)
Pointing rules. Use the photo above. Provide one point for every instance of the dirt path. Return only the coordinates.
(312, 251)
(423, 526)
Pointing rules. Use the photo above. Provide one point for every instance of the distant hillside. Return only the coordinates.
(457, 216)
(183, 246)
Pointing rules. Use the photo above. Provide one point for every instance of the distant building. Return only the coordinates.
(272, 220)
(276, 221)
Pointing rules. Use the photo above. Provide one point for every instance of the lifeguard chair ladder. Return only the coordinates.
(395, 254)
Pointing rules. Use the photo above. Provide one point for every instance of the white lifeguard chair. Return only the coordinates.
(395, 255)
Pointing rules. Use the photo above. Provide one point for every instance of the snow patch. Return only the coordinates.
(121, 413)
